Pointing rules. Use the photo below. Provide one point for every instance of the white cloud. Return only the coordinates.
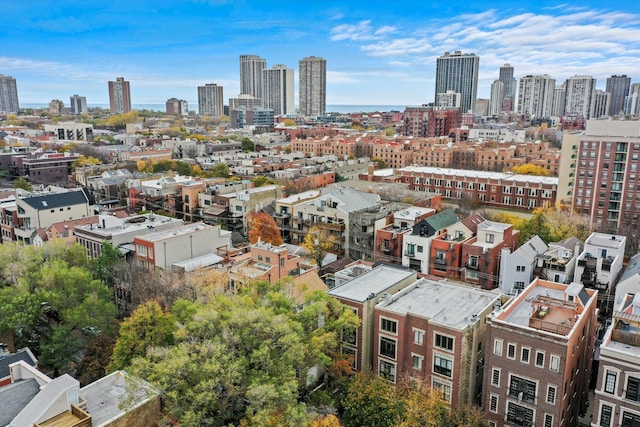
(360, 31)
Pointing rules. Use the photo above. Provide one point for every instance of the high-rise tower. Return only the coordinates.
(8, 94)
(535, 95)
(497, 98)
(510, 83)
(459, 72)
(277, 84)
(251, 67)
(618, 87)
(119, 96)
(580, 96)
(78, 104)
(210, 100)
(313, 86)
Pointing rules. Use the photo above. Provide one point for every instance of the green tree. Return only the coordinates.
(148, 326)
(262, 180)
(247, 144)
(220, 170)
(372, 402)
(381, 163)
(106, 265)
(59, 352)
(22, 183)
(537, 225)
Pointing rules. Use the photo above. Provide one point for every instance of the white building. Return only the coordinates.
(516, 268)
(601, 261)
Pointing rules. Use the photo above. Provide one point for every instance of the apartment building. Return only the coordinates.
(446, 247)
(198, 243)
(539, 356)
(285, 208)
(517, 267)
(617, 393)
(480, 256)
(503, 190)
(429, 122)
(600, 262)
(601, 172)
(416, 247)
(629, 282)
(388, 246)
(434, 332)
(559, 262)
(361, 294)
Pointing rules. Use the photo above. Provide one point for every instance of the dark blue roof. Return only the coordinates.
(58, 200)
(7, 360)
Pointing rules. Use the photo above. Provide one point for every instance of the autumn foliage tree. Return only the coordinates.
(318, 242)
(530, 169)
(262, 227)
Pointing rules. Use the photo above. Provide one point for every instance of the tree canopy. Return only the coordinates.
(530, 169)
(318, 242)
(263, 227)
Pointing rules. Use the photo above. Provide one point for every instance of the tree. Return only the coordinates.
(85, 161)
(381, 163)
(537, 225)
(372, 402)
(147, 327)
(289, 122)
(58, 352)
(106, 264)
(318, 242)
(262, 227)
(247, 144)
(219, 170)
(96, 359)
(530, 169)
(22, 183)
(262, 180)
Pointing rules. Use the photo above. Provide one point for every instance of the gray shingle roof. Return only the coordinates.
(15, 397)
(7, 360)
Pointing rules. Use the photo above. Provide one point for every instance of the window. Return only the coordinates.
(418, 336)
(554, 363)
(519, 415)
(411, 250)
(142, 250)
(540, 359)
(605, 416)
(630, 420)
(490, 238)
(497, 347)
(388, 325)
(473, 261)
(551, 394)
(442, 365)
(495, 377)
(442, 387)
(387, 371)
(523, 389)
(511, 351)
(521, 269)
(416, 362)
(610, 382)
(632, 389)
(388, 347)
(548, 420)
(444, 342)
(524, 355)
(419, 248)
(493, 403)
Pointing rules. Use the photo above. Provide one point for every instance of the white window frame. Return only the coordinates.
(414, 357)
(493, 371)
(522, 349)
(555, 394)
(498, 346)
(544, 357)
(515, 350)
(420, 336)
(448, 357)
(444, 384)
(384, 330)
(492, 396)
(395, 370)
(551, 359)
(453, 342)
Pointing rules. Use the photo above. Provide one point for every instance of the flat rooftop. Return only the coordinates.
(156, 236)
(374, 282)
(442, 302)
(112, 396)
(533, 179)
(412, 212)
(312, 194)
(604, 240)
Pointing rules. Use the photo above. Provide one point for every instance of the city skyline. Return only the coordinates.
(375, 54)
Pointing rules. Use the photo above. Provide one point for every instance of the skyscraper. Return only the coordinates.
(558, 100)
(78, 104)
(580, 96)
(8, 94)
(510, 83)
(497, 98)
(119, 96)
(459, 72)
(210, 100)
(251, 67)
(277, 86)
(632, 101)
(601, 104)
(618, 87)
(535, 95)
(313, 86)
(177, 106)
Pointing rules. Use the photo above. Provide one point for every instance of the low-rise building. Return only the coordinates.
(617, 393)
(481, 254)
(416, 247)
(361, 294)
(389, 239)
(446, 247)
(559, 261)
(539, 356)
(517, 267)
(434, 332)
(629, 282)
(600, 262)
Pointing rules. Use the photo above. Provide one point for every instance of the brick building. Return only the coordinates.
(539, 355)
(388, 245)
(429, 122)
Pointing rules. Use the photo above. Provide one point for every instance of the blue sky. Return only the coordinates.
(377, 52)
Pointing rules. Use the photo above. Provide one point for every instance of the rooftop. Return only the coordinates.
(312, 194)
(15, 397)
(548, 307)
(605, 240)
(56, 200)
(532, 179)
(174, 232)
(114, 395)
(412, 212)
(450, 304)
(371, 283)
